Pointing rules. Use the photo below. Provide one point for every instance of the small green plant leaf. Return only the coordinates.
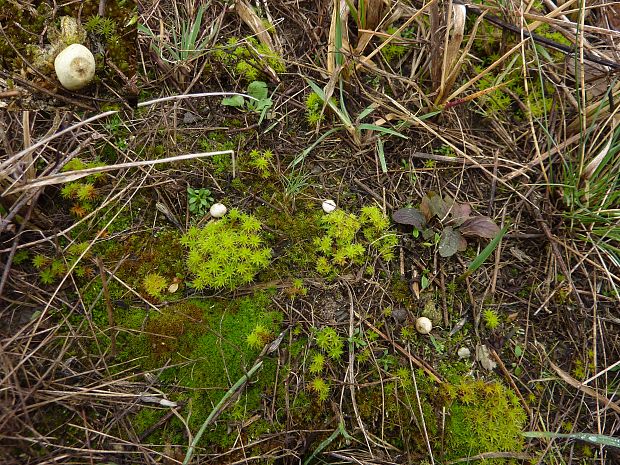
(482, 256)
(258, 90)
(479, 226)
(451, 242)
(410, 216)
(236, 101)
(374, 127)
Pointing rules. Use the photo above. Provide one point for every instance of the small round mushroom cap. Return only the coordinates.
(218, 210)
(423, 325)
(329, 206)
(75, 67)
(463, 352)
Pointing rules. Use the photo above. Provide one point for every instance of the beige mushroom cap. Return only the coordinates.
(423, 325)
(75, 67)
(218, 210)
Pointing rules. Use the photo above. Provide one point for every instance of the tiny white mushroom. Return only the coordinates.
(218, 210)
(329, 206)
(423, 325)
(75, 67)
(463, 352)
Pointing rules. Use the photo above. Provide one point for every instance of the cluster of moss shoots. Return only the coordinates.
(226, 253)
(82, 193)
(539, 97)
(248, 59)
(347, 237)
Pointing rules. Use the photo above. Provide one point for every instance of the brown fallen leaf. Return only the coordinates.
(479, 226)
(409, 216)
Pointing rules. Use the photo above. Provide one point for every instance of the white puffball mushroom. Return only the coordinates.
(75, 67)
(218, 210)
(329, 206)
(463, 352)
(423, 325)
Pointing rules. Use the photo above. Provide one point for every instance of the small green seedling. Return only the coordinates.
(259, 103)
(199, 200)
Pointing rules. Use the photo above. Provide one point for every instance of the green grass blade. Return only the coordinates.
(305, 153)
(195, 30)
(317, 90)
(338, 37)
(228, 395)
(374, 127)
(367, 111)
(596, 439)
(482, 256)
(381, 154)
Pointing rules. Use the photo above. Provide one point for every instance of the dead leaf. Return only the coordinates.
(409, 216)
(438, 206)
(450, 242)
(460, 212)
(173, 288)
(433, 205)
(480, 226)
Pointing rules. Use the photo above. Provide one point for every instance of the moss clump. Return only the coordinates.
(154, 284)
(342, 246)
(166, 329)
(83, 193)
(248, 58)
(226, 253)
(483, 417)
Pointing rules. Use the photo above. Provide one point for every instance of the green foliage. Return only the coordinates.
(84, 191)
(53, 269)
(206, 344)
(537, 101)
(154, 284)
(483, 417)
(317, 364)
(342, 246)
(248, 59)
(314, 106)
(320, 388)
(330, 342)
(491, 318)
(199, 200)
(395, 50)
(39, 261)
(259, 336)
(261, 161)
(260, 103)
(104, 26)
(185, 45)
(226, 253)
(21, 256)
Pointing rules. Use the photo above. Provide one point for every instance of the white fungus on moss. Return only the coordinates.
(328, 206)
(218, 210)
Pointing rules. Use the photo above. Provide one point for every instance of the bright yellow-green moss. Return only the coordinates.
(226, 253)
(341, 245)
(482, 417)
